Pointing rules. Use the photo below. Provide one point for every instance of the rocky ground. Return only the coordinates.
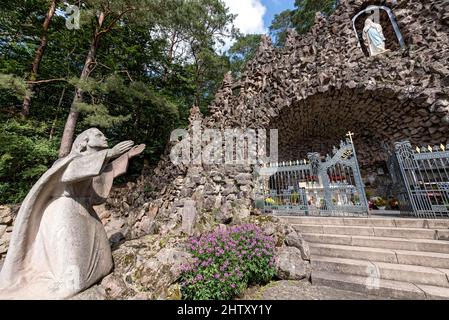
(301, 290)
(276, 290)
(149, 267)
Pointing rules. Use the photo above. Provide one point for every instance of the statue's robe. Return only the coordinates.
(376, 40)
(59, 246)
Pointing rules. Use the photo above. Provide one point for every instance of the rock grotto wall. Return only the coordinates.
(7, 216)
(315, 89)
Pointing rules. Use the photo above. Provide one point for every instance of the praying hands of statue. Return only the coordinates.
(136, 150)
(126, 147)
(120, 148)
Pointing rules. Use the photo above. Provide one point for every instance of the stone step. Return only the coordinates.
(380, 242)
(418, 258)
(390, 232)
(383, 288)
(369, 222)
(382, 270)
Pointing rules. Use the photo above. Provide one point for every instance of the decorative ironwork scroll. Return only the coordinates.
(313, 186)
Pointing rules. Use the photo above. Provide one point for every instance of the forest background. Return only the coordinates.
(132, 68)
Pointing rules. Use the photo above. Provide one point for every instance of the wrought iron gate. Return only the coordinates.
(422, 176)
(313, 186)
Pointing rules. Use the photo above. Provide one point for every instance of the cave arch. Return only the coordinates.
(313, 71)
(377, 117)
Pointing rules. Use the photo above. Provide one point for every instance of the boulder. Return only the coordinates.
(2, 230)
(225, 214)
(290, 265)
(146, 268)
(93, 293)
(294, 239)
(6, 215)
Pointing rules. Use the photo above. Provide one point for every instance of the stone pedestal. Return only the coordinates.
(188, 217)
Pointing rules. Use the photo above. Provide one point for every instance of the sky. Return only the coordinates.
(255, 16)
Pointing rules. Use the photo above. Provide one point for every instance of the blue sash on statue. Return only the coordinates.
(375, 36)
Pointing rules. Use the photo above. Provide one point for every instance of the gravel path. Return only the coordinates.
(301, 290)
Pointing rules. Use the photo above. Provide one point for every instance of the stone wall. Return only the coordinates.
(321, 85)
(7, 216)
(315, 89)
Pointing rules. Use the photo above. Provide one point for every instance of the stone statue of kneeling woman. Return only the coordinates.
(59, 246)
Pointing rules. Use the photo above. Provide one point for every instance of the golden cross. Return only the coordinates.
(350, 134)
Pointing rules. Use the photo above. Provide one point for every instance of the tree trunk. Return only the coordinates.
(170, 57)
(53, 126)
(70, 125)
(37, 59)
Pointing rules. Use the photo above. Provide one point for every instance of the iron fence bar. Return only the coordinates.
(362, 187)
(423, 176)
(426, 178)
(315, 187)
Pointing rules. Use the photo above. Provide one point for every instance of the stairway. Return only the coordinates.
(394, 258)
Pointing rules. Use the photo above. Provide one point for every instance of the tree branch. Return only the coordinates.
(114, 21)
(46, 81)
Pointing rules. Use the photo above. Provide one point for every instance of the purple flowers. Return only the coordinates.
(199, 277)
(226, 259)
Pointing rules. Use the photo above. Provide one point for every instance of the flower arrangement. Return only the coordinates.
(226, 261)
(294, 197)
(394, 204)
(380, 202)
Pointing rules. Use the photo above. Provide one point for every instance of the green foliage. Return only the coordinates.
(150, 68)
(242, 51)
(26, 152)
(226, 261)
(301, 18)
(151, 116)
(304, 15)
(97, 115)
(13, 85)
(280, 24)
(192, 30)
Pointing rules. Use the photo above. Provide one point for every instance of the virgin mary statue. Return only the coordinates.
(373, 34)
(59, 246)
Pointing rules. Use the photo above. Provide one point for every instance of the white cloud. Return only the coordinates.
(249, 16)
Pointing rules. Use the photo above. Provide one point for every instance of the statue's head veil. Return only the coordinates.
(368, 23)
(79, 146)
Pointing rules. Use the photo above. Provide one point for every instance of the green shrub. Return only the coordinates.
(226, 261)
(26, 153)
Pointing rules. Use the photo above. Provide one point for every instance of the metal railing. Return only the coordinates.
(314, 186)
(423, 176)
